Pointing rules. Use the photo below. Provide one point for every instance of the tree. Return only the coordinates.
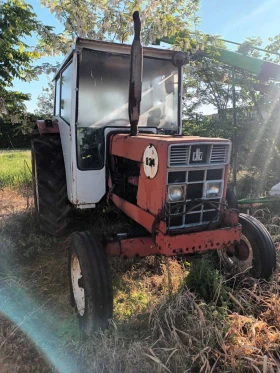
(45, 102)
(206, 82)
(17, 22)
(111, 19)
(256, 134)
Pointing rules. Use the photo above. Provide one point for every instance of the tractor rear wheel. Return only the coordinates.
(231, 199)
(90, 283)
(255, 252)
(52, 208)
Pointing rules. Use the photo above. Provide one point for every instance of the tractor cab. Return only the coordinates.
(91, 101)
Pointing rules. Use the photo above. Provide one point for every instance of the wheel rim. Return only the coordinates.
(77, 284)
(240, 257)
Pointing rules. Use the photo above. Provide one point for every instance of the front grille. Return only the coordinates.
(179, 155)
(196, 209)
(197, 154)
(195, 166)
(219, 154)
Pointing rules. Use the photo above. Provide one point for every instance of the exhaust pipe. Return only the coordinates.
(135, 82)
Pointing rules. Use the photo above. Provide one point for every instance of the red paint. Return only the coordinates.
(151, 198)
(137, 214)
(47, 126)
(151, 194)
(134, 212)
(198, 241)
(230, 217)
(174, 245)
(131, 247)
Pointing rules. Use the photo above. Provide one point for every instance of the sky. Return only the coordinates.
(232, 20)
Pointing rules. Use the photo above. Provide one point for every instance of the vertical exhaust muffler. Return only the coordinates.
(136, 72)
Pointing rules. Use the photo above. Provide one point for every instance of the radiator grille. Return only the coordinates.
(196, 209)
(179, 155)
(219, 154)
(197, 154)
(196, 165)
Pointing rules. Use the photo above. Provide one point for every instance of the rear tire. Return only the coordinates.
(231, 199)
(90, 283)
(255, 252)
(52, 208)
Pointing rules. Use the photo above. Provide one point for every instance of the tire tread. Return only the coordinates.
(54, 210)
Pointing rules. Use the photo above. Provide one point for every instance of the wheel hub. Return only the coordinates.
(242, 251)
(239, 257)
(78, 284)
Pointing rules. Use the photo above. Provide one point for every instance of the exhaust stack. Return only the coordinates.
(135, 82)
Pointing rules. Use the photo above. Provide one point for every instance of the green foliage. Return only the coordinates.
(15, 169)
(112, 20)
(206, 280)
(45, 102)
(256, 136)
(14, 131)
(18, 22)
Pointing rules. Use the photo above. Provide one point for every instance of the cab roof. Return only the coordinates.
(116, 48)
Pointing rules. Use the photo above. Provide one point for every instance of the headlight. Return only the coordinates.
(175, 193)
(213, 190)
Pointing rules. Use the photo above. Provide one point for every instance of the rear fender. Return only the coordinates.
(47, 126)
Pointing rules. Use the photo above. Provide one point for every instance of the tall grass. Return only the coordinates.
(169, 315)
(15, 168)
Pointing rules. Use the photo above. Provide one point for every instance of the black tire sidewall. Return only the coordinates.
(53, 210)
(97, 284)
(231, 199)
(264, 255)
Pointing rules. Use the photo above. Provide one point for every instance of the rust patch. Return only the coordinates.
(47, 126)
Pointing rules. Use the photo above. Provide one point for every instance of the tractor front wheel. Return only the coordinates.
(90, 283)
(255, 252)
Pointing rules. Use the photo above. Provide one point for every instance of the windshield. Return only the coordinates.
(103, 91)
(103, 100)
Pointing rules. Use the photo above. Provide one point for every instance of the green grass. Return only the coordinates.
(15, 168)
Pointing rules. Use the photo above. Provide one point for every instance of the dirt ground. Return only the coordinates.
(12, 202)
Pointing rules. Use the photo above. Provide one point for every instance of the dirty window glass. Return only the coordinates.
(57, 96)
(90, 148)
(65, 101)
(159, 104)
(103, 95)
(104, 85)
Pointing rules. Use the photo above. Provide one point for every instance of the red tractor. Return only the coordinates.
(129, 148)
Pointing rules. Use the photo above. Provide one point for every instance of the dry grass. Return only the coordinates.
(160, 324)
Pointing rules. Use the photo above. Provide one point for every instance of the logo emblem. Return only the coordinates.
(197, 155)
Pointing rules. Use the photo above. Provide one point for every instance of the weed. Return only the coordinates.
(205, 279)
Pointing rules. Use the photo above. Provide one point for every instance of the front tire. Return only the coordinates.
(255, 252)
(52, 208)
(90, 283)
